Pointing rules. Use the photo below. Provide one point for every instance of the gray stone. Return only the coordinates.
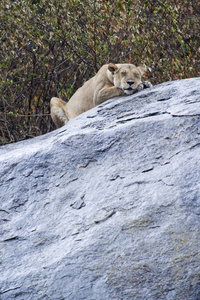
(108, 206)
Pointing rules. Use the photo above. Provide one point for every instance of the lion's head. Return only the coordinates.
(127, 76)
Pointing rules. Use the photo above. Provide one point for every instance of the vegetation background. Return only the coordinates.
(49, 48)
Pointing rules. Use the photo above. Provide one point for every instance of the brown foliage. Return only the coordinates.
(49, 48)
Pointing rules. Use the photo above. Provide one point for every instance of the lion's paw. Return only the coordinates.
(147, 84)
(140, 87)
(143, 85)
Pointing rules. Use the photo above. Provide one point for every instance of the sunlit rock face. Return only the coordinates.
(108, 206)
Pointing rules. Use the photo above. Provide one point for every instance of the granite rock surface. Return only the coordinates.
(108, 206)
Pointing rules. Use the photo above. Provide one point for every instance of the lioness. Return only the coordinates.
(110, 81)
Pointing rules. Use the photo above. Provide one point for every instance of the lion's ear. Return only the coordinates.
(112, 68)
(142, 69)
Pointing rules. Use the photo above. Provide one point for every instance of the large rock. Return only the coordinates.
(107, 207)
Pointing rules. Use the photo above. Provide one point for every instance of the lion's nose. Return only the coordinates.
(130, 82)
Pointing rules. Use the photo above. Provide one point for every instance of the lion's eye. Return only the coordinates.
(136, 75)
(123, 73)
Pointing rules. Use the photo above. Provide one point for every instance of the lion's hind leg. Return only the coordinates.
(58, 114)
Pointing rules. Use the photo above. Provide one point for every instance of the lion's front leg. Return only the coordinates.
(107, 93)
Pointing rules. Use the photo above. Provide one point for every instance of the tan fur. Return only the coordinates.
(110, 81)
